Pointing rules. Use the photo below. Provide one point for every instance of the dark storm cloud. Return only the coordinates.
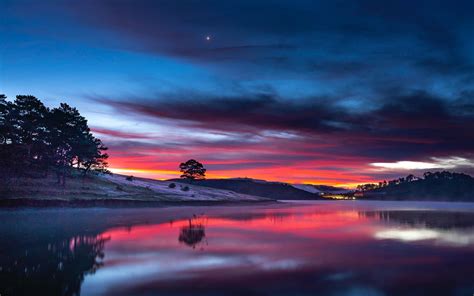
(429, 34)
(365, 44)
(242, 113)
(364, 49)
(401, 125)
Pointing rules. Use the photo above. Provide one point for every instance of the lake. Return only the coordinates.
(293, 248)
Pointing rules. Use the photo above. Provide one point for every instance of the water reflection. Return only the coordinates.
(445, 228)
(425, 218)
(323, 249)
(193, 233)
(55, 268)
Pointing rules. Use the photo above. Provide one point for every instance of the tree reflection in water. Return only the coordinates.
(56, 268)
(428, 219)
(193, 233)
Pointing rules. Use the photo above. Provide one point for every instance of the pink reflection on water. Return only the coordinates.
(282, 246)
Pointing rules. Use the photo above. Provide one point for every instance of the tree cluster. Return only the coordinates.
(445, 175)
(36, 140)
(427, 177)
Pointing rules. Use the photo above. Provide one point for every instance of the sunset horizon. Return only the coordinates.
(315, 93)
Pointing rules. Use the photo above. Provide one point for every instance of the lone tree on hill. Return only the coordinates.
(193, 170)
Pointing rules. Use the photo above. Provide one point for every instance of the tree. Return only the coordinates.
(5, 109)
(93, 156)
(34, 139)
(411, 178)
(12, 155)
(8, 122)
(29, 128)
(73, 143)
(63, 122)
(193, 170)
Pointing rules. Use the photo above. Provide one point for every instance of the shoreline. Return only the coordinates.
(18, 203)
(118, 203)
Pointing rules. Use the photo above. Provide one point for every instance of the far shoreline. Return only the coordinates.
(24, 203)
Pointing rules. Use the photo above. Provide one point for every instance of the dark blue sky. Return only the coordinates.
(333, 92)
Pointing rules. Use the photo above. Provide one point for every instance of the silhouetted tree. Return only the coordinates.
(34, 139)
(29, 122)
(193, 170)
(5, 110)
(366, 187)
(411, 178)
(93, 157)
(12, 154)
(73, 143)
(427, 175)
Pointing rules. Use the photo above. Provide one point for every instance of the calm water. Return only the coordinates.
(321, 248)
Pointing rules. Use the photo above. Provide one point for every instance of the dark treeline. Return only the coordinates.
(384, 183)
(427, 176)
(36, 140)
(433, 185)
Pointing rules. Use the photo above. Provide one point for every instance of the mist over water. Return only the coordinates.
(310, 248)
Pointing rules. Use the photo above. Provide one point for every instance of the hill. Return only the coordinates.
(272, 190)
(111, 188)
(321, 189)
(438, 186)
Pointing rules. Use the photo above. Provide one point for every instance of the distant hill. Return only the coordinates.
(320, 189)
(272, 190)
(442, 186)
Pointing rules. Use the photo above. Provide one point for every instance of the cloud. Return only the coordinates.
(238, 113)
(360, 35)
(309, 139)
(398, 125)
(350, 37)
(313, 86)
(437, 163)
(119, 134)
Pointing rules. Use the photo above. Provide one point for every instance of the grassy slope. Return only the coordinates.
(115, 187)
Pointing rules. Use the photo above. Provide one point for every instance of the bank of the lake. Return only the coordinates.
(110, 190)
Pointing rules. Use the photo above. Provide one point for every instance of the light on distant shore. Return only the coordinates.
(338, 196)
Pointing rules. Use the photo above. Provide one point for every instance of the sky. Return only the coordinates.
(321, 92)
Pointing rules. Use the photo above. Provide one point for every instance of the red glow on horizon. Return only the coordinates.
(279, 160)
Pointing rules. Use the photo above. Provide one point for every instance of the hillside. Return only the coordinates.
(438, 186)
(320, 189)
(115, 187)
(272, 190)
